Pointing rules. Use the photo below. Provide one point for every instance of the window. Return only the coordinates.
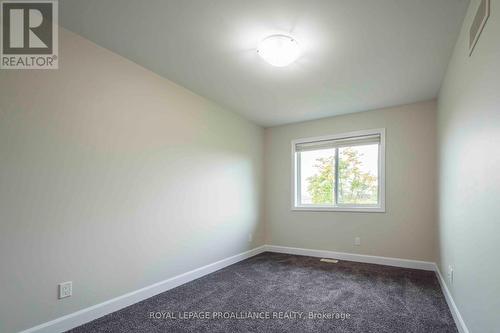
(340, 172)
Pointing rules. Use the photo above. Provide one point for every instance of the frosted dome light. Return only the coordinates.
(279, 50)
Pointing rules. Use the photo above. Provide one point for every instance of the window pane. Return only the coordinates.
(358, 175)
(317, 177)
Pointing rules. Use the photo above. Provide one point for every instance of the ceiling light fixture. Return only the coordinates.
(279, 50)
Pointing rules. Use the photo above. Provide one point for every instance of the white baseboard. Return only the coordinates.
(86, 315)
(459, 321)
(96, 311)
(406, 263)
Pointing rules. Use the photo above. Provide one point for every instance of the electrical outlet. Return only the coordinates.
(357, 241)
(250, 237)
(65, 289)
(450, 274)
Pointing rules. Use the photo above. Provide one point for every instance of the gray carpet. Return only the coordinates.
(278, 292)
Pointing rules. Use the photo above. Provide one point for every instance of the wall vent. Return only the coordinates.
(482, 14)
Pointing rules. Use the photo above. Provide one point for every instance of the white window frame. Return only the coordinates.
(379, 208)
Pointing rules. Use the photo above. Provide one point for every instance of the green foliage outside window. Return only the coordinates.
(355, 186)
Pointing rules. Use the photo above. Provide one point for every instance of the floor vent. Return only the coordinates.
(330, 261)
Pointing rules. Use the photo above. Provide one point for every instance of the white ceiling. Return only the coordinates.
(358, 54)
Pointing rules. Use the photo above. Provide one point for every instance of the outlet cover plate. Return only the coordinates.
(65, 289)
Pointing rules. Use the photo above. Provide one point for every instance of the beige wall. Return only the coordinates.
(114, 178)
(406, 230)
(469, 137)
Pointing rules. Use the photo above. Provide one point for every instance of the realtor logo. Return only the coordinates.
(29, 38)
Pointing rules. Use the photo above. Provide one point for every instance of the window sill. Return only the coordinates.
(340, 209)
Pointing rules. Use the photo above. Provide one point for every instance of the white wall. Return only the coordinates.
(406, 230)
(469, 199)
(114, 178)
